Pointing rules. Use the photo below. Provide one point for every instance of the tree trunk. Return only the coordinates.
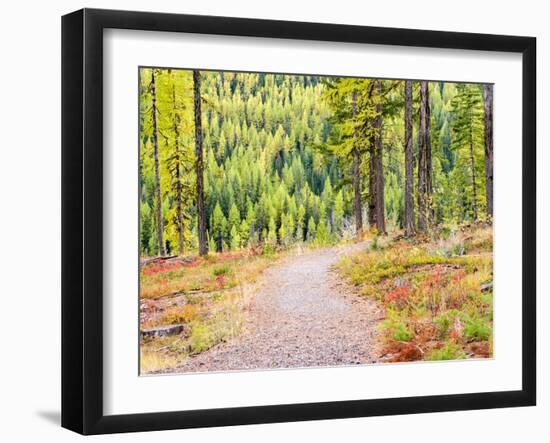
(372, 183)
(428, 146)
(378, 164)
(158, 193)
(179, 215)
(356, 173)
(473, 165)
(488, 105)
(199, 165)
(424, 161)
(178, 178)
(409, 185)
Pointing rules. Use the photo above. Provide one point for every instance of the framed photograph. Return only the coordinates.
(269, 221)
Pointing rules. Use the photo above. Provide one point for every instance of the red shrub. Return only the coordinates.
(220, 281)
(435, 279)
(459, 275)
(400, 352)
(399, 295)
(161, 267)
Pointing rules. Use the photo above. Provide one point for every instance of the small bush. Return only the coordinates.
(221, 270)
(445, 232)
(400, 295)
(180, 314)
(396, 328)
(450, 351)
(445, 321)
(268, 249)
(402, 333)
(201, 339)
(453, 246)
(458, 249)
(477, 329)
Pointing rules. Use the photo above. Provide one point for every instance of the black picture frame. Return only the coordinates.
(82, 221)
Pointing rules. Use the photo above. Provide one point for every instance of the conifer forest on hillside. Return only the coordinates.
(295, 220)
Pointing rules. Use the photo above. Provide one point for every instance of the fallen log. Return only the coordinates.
(487, 287)
(163, 331)
(148, 261)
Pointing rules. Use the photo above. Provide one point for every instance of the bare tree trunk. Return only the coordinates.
(179, 215)
(356, 173)
(488, 105)
(421, 165)
(158, 193)
(199, 166)
(378, 164)
(424, 161)
(428, 146)
(473, 165)
(372, 174)
(177, 173)
(409, 183)
(372, 182)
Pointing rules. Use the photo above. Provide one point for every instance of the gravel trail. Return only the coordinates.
(302, 315)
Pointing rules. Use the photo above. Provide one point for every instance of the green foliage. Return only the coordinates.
(221, 270)
(311, 229)
(235, 242)
(146, 226)
(272, 233)
(402, 333)
(277, 151)
(445, 320)
(219, 225)
(234, 217)
(244, 232)
(468, 145)
(339, 213)
(260, 134)
(396, 327)
(477, 329)
(436, 302)
(450, 351)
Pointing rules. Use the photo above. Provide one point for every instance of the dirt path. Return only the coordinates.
(303, 315)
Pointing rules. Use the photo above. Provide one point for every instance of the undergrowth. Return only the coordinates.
(206, 295)
(435, 292)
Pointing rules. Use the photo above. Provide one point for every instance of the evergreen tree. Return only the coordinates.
(158, 191)
(251, 220)
(338, 212)
(235, 238)
(488, 128)
(409, 186)
(300, 222)
(199, 166)
(468, 141)
(244, 232)
(234, 217)
(272, 232)
(311, 229)
(218, 226)
(424, 161)
(283, 159)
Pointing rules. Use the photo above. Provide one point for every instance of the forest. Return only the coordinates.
(256, 164)
(231, 160)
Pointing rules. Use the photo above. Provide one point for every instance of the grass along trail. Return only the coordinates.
(302, 315)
